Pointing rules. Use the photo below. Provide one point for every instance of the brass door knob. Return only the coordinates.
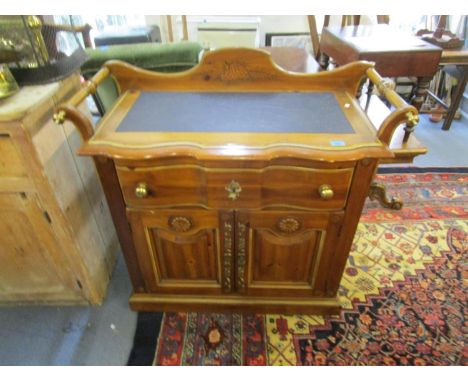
(141, 190)
(326, 191)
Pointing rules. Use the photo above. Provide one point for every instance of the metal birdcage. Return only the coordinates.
(37, 52)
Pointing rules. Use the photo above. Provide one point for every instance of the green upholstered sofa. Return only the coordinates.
(170, 57)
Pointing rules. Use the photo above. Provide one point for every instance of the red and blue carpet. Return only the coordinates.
(404, 295)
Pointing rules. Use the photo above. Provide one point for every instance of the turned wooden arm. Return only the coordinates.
(69, 110)
(403, 112)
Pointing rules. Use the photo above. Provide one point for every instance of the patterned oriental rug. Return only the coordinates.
(403, 292)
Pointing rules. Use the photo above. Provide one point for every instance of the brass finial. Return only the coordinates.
(412, 119)
(59, 118)
(34, 21)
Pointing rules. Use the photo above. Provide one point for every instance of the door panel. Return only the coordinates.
(186, 257)
(179, 251)
(282, 259)
(283, 250)
(30, 260)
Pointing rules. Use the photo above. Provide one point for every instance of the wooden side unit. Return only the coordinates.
(250, 221)
(58, 245)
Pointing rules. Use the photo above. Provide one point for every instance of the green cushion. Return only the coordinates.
(173, 57)
(151, 56)
(106, 94)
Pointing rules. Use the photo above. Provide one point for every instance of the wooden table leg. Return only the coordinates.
(421, 90)
(324, 61)
(360, 89)
(370, 89)
(456, 99)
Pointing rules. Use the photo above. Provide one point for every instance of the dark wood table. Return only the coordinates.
(395, 53)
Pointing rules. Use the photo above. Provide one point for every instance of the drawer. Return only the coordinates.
(271, 186)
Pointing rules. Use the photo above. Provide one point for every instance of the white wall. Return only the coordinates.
(160, 21)
(282, 24)
(268, 24)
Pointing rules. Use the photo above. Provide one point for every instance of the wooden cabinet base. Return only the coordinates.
(241, 304)
(233, 200)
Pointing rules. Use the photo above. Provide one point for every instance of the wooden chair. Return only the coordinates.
(50, 32)
(170, 31)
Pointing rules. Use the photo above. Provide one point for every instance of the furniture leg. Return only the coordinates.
(370, 88)
(378, 192)
(361, 86)
(456, 99)
(324, 61)
(420, 92)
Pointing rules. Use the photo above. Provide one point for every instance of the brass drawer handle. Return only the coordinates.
(234, 189)
(141, 190)
(326, 191)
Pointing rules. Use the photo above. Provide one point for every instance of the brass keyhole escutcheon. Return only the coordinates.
(326, 191)
(234, 189)
(141, 190)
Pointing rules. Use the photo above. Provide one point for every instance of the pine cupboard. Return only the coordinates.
(57, 241)
(236, 186)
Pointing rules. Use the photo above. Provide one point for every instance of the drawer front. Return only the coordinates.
(272, 186)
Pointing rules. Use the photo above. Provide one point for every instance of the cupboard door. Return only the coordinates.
(31, 263)
(180, 251)
(282, 253)
(13, 173)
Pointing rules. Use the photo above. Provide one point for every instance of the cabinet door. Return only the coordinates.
(284, 253)
(180, 251)
(31, 263)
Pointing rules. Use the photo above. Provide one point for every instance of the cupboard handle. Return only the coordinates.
(141, 190)
(326, 191)
(234, 189)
